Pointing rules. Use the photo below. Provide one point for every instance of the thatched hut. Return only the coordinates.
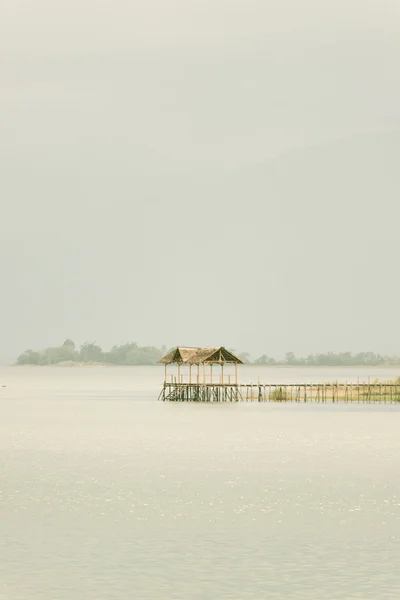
(203, 359)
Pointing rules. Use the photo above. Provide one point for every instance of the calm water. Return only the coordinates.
(107, 494)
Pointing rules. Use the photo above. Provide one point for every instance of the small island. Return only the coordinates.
(91, 353)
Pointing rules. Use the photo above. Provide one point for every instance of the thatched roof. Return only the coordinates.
(197, 356)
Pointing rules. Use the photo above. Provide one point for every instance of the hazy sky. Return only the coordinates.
(139, 200)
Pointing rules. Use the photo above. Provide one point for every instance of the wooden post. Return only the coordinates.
(236, 374)
(222, 372)
(179, 373)
(190, 373)
(211, 373)
(165, 372)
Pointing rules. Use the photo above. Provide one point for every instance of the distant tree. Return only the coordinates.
(69, 344)
(57, 354)
(265, 360)
(262, 360)
(244, 357)
(345, 358)
(371, 358)
(29, 357)
(290, 358)
(90, 352)
(118, 355)
(147, 355)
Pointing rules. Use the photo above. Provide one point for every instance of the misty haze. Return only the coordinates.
(159, 158)
(178, 175)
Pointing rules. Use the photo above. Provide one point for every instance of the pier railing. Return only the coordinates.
(303, 392)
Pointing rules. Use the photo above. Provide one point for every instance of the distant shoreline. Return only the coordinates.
(131, 354)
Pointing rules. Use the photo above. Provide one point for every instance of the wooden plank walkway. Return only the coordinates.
(387, 393)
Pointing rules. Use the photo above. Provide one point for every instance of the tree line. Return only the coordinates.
(133, 354)
(90, 352)
(332, 359)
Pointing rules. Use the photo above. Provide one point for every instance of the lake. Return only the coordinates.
(107, 494)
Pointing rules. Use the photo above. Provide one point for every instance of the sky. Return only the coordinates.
(167, 168)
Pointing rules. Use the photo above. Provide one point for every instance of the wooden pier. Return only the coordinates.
(387, 393)
(202, 375)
